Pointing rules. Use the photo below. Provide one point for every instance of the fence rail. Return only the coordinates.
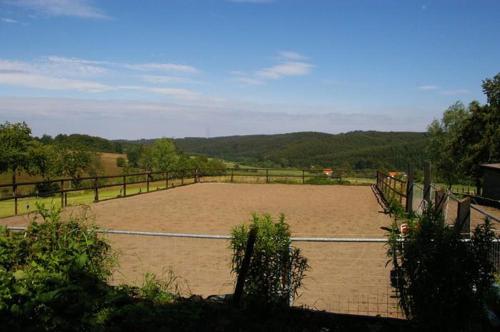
(391, 187)
(161, 180)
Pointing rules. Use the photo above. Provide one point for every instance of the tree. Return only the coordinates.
(74, 162)
(15, 142)
(164, 155)
(465, 138)
(443, 137)
(146, 159)
(134, 155)
(42, 160)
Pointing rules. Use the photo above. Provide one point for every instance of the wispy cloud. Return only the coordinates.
(37, 81)
(291, 64)
(136, 119)
(291, 56)
(89, 76)
(285, 69)
(165, 67)
(455, 92)
(161, 79)
(428, 87)
(8, 20)
(442, 91)
(76, 8)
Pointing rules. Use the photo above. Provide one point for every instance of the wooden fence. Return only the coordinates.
(62, 186)
(392, 188)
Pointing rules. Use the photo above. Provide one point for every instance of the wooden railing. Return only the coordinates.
(21, 190)
(392, 188)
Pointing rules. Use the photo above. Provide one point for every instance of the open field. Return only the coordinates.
(26, 205)
(345, 277)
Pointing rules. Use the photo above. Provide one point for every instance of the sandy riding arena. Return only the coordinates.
(344, 277)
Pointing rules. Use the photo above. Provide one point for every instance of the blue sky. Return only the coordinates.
(131, 69)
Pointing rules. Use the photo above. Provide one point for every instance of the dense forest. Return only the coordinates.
(355, 150)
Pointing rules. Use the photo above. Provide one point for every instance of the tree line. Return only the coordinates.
(70, 156)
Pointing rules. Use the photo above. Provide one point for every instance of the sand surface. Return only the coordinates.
(344, 277)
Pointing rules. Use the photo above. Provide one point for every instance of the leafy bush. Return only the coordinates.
(442, 281)
(47, 189)
(53, 278)
(276, 268)
(121, 162)
(50, 274)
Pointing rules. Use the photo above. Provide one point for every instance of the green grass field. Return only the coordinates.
(84, 197)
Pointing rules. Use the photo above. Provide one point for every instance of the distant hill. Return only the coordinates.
(356, 150)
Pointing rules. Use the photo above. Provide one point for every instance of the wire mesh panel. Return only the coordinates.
(344, 277)
(348, 278)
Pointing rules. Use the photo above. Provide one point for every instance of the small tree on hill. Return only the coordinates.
(15, 143)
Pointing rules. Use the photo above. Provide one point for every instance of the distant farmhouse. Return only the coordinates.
(491, 181)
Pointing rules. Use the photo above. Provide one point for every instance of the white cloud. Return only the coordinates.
(444, 92)
(160, 79)
(455, 92)
(291, 64)
(135, 119)
(37, 81)
(248, 80)
(8, 20)
(291, 56)
(166, 67)
(76, 8)
(428, 87)
(285, 69)
(72, 74)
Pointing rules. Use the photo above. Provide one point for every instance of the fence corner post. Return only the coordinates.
(96, 188)
(462, 223)
(427, 182)
(409, 190)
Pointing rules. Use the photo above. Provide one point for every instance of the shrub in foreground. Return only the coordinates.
(276, 268)
(53, 277)
(442, 281)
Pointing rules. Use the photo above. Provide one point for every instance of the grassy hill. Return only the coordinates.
(357, 150)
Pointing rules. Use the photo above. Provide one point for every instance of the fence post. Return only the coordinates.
(62, 193)
(196, 175)
(267, 176)
(303, 177)
(182, 177)
(14, 191)
(440, 201)
(232, 174)
(409, 190)
(245, 265)
(147, 182)
(124, 186)
(427, 182)
(462, 224)
(166, 180)
(96, 188)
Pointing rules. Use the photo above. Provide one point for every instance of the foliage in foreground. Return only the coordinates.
(442, 281)
(276, 268)
(53, 277)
